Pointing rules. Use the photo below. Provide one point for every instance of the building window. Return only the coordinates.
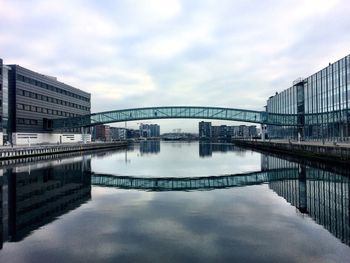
(50, 87)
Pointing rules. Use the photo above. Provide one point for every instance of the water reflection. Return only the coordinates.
(35, 194)
(206, 149)
(321, 194)
(150, 147)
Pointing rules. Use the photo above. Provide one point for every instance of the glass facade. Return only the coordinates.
(321, 102)
(4, 102)
(1, 65)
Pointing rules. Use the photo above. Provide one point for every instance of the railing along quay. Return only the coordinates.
(313, 150)
(27, 151)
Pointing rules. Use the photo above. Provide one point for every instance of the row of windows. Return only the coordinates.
(327, 90)
(284, 102)
(27, 121)
(45, 110)
(50, 87)
(33, 95)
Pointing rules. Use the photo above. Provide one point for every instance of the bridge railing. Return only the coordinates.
(190, 112)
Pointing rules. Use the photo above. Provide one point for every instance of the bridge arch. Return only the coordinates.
(175, 112)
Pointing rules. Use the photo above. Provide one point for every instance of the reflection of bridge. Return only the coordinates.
(36, 195)
(177, 112)
(194, 183)
(323, 195)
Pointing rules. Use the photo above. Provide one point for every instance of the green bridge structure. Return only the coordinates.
(175, 112)
(194, 183)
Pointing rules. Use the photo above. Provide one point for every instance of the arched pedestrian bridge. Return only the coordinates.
(175, 112)
(194, 183)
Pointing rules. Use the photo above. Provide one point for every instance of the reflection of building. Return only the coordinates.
(149, 146)
(149, 130)
(323, 195)
(269, 162)
(207, 149)
(30, 99)
(37, 195)
(325, 93)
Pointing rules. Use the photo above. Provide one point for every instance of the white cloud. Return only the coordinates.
(153, 52)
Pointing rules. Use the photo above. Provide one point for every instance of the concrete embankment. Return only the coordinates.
(28, 151)
(333, 153)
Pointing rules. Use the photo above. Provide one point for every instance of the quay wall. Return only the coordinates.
(333, 153)
(36, 150)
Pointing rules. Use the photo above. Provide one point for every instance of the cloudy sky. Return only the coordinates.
(136, 53)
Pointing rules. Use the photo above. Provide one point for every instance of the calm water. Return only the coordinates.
(173, 202)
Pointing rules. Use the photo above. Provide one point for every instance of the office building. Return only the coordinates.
(224, 132)
(205, 130)
(4, 103)
(149, 130)
(29, 99)
(102, 133)
(321, 102)
(118, 134)
(132, 134)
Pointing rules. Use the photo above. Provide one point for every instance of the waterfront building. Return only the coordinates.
(30, 99)
(205, 130)
(321, 102)
(118, 133)
(149, 130)
(132, 134)
(102, 133)
(4, 103)
(208, 131)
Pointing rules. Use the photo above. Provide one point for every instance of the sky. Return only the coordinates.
(140, 53)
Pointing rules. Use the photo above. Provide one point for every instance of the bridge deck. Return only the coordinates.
(177, 112)
(196, 112)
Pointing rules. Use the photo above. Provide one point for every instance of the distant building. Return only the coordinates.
(253, 131)
(102, 133)
(223, 132)
(118, 133)
(149, 130)
(205, 130)
(132, 134)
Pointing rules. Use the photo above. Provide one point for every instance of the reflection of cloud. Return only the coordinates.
(243, 224)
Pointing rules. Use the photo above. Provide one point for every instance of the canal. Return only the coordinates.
(173, 202)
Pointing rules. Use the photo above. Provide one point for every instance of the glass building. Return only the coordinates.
(321, 102)
(4, 103)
